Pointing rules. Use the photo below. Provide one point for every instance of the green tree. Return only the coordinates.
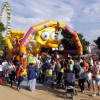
(97, 42)
(2, 28)
(2, 42)
(69, 43)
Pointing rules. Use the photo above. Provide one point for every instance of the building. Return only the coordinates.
(92, 49)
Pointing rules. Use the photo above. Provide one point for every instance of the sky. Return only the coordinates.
(83, 16)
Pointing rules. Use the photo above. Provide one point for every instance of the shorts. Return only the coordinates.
(96, 81)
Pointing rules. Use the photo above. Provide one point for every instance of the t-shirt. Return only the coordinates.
(4, 64)
(91, 61)
(11, 69)
(31, 73)
(7, 65)
(71, 67)
(99, 63)
(1, 68)
(89, 76)
(82, 73)
(96, 70)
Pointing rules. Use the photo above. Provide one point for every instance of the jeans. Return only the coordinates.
(38, 74)
(12, 78)
(32, 84)
(89, 84)
(81, 84)
(20, 82)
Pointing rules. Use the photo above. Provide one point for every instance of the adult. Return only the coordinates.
(96, 77)
(32, 77)
(4, 63)
(82, 77)
(91, 61)
(19, 75)
(52, 65)
(11, 71)
(57, 68)
(86, 65)
(72, 61)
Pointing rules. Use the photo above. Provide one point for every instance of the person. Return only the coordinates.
(11, 71)
(57, 68)
(76, 68)
(82, 77)
(89, 79)
(52, 66)
(19, 75)
(91, 61)
(44, 68)
(62, 62)
(1, 73)
(5, 69)
(70, 66)
(70, 59)
(31, 76)
(95, 78)
(86, 65)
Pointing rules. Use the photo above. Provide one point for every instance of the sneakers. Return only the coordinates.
(94, 94)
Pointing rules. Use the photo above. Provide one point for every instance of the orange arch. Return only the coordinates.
(32, 31)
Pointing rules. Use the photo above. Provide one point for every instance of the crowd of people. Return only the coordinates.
(86, 70)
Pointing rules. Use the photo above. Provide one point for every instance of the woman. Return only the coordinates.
(19, 75)
(95, 77)
(32, 77)
(82, 77)
(57, 68)
(11, 71)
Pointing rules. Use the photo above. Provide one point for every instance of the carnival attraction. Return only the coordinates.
(13, 42)
(46, 35)
(5, 18)
(43, 35)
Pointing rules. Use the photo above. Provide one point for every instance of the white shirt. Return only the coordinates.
(1, 68)
(98, 67)
(99, 63)
(89, 76)
(91, 61)
(4, 64)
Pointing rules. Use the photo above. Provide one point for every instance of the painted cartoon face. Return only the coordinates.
(47, 36)
(17, 35)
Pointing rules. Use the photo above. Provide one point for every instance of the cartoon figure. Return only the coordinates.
(13, 42)
(46, 38)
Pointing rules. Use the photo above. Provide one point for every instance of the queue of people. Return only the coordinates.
(86, 70)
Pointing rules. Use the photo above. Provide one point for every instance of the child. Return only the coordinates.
(89, 79)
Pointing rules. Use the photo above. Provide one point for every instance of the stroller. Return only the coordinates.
(58, 82)
(70, 85)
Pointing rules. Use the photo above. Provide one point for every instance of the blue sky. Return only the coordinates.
(81, 15)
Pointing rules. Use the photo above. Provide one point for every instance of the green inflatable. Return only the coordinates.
(31, 59)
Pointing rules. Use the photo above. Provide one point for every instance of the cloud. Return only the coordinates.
(92, 35)
(81, 15)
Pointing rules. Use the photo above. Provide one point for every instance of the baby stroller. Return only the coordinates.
(58, 82)
(70, 85)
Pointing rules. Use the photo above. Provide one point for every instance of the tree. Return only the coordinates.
(2, 42)
(2, 28)
(97, 42)
(69, 43)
